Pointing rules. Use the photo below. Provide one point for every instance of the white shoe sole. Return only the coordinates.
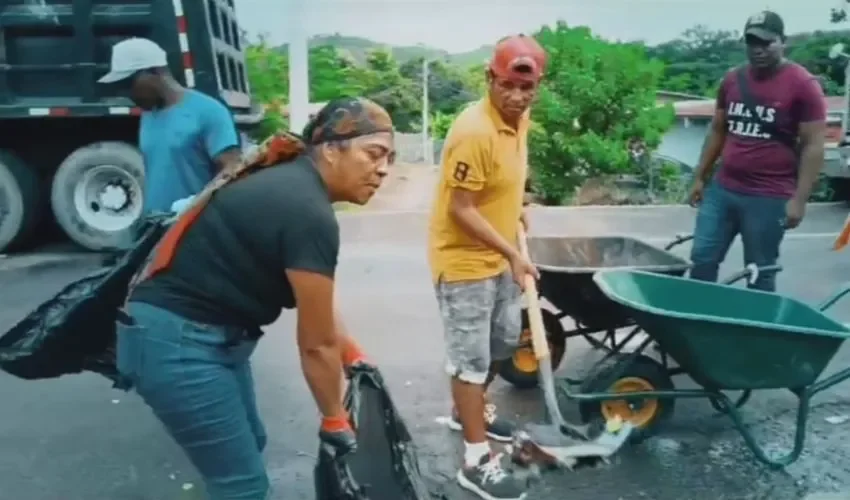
(502, 439)
(470, 486)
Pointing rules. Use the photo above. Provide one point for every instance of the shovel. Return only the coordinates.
(540, 345)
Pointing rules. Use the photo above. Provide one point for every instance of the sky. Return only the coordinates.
(461, 25)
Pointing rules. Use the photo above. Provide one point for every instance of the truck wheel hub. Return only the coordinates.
(108, 198)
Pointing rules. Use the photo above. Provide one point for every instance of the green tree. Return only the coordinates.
(839, 14)
(332, 75)
(474, 76)
(812, 51)
(447, 87)
(383, 82)
(440, 124)
(268, 75)
(597, 99)
(697, 60)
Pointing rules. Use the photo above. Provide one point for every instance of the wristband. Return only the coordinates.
(336, 424)
(351, 353)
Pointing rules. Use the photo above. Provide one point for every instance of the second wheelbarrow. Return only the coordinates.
(724, 338)
(566, 266)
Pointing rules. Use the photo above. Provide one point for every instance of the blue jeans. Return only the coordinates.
(197, 379)
(722, 216)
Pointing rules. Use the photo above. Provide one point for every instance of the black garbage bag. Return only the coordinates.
(75, 330)
(385, 465)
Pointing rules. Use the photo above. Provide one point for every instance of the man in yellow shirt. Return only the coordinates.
(476, 266)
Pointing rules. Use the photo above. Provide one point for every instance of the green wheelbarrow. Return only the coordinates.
(724, 338)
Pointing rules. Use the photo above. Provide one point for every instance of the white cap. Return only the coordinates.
(131, 56)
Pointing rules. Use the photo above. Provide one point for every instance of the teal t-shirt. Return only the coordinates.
(179, 145)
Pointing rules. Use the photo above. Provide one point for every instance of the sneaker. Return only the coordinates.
(498, 429)
(491, 481)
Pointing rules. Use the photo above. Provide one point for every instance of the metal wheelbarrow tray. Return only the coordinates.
(566, 266)
(726, 339)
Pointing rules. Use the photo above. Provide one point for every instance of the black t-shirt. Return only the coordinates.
(229, 266)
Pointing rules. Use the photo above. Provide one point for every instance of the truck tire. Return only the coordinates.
(96, 195)
(20, 202)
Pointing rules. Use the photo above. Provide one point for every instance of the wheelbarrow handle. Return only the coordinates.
(835, 297)
(680, 238)
(751, 272)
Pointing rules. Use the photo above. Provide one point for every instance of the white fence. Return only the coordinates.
(409, 148)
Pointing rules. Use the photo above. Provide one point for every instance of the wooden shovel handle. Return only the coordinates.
(539, 342)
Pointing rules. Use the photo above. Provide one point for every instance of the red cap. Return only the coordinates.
(518, 57)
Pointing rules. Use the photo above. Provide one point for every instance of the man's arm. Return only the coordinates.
(221, 140)
(465, 170)
(812, 135)
(716, 137)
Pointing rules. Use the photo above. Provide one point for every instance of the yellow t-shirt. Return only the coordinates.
(482, 154)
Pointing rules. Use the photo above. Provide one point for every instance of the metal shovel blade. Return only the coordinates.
(544, 445)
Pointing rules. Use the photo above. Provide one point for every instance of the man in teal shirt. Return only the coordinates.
(185, 136)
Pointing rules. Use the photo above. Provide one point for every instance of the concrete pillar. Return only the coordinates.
(299, 78)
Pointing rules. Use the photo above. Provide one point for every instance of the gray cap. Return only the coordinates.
(131, 56)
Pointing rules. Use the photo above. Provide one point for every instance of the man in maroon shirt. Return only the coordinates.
(768, 130)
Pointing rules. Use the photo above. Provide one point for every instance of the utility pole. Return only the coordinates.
(427, 149)
(299, 78)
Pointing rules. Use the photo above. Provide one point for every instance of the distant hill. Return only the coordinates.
(358, 48)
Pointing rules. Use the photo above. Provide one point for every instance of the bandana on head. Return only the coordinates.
(346, 119)
(339, 120)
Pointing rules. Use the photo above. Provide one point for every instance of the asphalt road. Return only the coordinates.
(75, 438)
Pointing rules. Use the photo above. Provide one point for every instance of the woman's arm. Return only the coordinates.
(319, 343)
(350, 350)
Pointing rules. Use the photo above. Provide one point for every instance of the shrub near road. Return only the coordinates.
(597, 99)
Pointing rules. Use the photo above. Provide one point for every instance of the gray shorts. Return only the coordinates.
(482, 323)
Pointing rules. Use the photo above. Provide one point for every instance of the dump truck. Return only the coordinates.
(67, 143)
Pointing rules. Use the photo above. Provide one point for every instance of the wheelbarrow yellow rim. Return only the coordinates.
(639, 416)
(524, 359)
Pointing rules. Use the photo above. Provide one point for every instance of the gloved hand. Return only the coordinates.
(180, 205)
(336, 432)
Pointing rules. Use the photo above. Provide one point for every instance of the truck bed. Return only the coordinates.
(53, 51)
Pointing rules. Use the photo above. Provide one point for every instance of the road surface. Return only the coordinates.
(75, 438)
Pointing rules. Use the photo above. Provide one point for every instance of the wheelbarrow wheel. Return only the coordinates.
(521, 370)
(643, 374)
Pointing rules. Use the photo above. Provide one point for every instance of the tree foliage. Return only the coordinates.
(385, 84)
(597, 99)
(268, 71)
(697, 60)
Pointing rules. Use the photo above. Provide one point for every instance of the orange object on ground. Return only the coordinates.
(843, 237)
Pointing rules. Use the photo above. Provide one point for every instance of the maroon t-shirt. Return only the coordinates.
(753, 161)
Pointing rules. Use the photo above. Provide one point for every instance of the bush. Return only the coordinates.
(596, 100)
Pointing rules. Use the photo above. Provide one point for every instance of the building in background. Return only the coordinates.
(684, 140)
